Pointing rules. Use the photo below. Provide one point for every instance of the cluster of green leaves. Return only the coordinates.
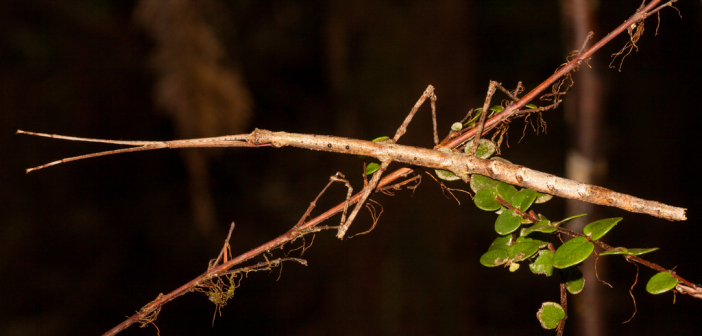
(520, 239)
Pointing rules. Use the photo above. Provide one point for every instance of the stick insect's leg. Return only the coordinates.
(509, 94)
(481, 123)
(226, 252)
(428, 94)
(366, 192)
(338, 177)
(370, 187)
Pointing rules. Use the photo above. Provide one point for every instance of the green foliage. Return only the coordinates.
(542, 226)
(550, 315)
(506, 191)
(569, 218)
(507, 222)
(524, 198)
(574, 280)
(522, 250)
(661, 283)
(573, 252)
(446, 175)
(497, 253)
(478, 182)
(533, 241)
(596, 230)
(372, 167)
(494, 257)
(485, 149)
(626, 251)
(543, 263)
(537, 238)
(485, 199)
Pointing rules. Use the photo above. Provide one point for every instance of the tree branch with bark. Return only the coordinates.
(459, 156)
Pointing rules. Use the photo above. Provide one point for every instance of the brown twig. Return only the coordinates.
(303, 227)
(640, 15)
(483, 113)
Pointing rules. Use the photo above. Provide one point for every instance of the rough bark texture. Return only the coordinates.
(463, 165)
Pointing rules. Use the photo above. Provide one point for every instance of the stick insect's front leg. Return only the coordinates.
(370, 188)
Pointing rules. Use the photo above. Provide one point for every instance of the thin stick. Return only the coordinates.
(226, 249)
(640, 15)
(587, 38)
(481, 123)
(428, 94)
(365, 193)
(509, 94)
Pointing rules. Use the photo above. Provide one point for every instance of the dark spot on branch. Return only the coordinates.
(329, 145)
(415, 158)
(347, 146)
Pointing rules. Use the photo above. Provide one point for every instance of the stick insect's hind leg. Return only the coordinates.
(428, 94)
(365, 193)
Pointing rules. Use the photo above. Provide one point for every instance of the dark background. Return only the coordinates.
(84, 244)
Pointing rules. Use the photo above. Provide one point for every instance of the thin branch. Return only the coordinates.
(510, 110)
(532, 218)
(483, 113)
(460, 164)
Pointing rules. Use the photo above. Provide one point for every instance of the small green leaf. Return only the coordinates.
(543, 263)
(497, 108)
(382, 138)
(661, 283)
(596, 230)
(626, 251)
(501, 243)
(446, 175)
(494, 257)
(575, 282)
(477, 111)
(507, 222)
(485, 149)
(478, 182)
(456, 126)
(524, 198)
(522, 250)
(530, 106)
(542, 198)
(538, 238)
(550, 315)
(542, 226)
(506, 191)
(372, 168)
(485, 200)
(572, 252)
(569, 218)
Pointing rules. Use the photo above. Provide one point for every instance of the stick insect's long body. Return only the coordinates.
(460, 164)
(463, 165)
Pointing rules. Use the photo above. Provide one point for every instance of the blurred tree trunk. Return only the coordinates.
(196, 85)
(583, 108)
